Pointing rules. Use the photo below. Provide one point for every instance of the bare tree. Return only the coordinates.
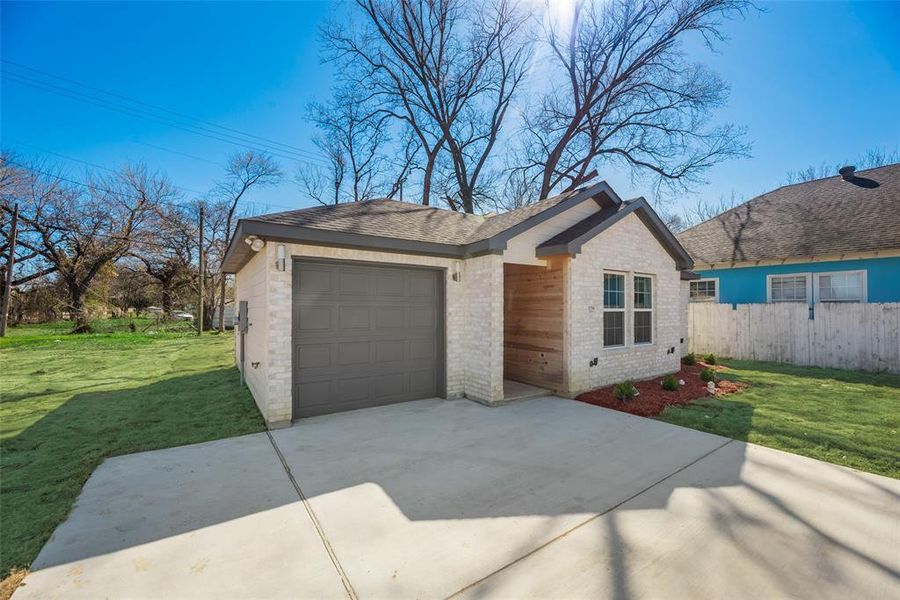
(352, 134)
(167, 250)
(626, 93)
(869, 159)
(78, 232)
(447, 69)
(245, 170)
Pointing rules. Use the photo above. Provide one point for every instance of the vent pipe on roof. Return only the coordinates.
(847, 172)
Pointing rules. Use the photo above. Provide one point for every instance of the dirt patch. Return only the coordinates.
(11, 583)
(652, 399)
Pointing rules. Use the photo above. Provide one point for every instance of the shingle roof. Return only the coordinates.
(582, 227)
(815, 218)
(385, 218)
(407, 221)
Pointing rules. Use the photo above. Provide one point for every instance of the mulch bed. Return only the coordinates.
(652, 399)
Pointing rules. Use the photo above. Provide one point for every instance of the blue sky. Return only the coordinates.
(812, 82)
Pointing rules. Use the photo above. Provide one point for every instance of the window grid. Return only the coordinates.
(788, 288)
(643, 310)
(613, 310)
(703, 290)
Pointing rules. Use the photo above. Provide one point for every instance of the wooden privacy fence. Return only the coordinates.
(845, 336)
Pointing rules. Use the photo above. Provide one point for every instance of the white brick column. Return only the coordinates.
(483, 279)
(279, 323)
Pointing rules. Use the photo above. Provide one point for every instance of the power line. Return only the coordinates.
(164, 149)
(134, 112)
(156, 107)
(252, 204)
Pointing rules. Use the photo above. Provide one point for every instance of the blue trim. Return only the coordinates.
(745, 285)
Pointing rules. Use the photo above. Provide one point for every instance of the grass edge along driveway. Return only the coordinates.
(67, 402)
(849, 418)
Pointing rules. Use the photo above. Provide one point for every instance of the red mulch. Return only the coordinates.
(652, 399)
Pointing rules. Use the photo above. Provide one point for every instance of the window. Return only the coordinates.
(789, 288)
(705, 290)
(613, 310)
(643, 310)
(843, 286)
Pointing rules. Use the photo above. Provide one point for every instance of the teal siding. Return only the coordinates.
(745, 285)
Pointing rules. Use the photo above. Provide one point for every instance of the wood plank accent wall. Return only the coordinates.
(533, 324)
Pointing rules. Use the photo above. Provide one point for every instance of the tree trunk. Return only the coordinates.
(426, 177)
(167, 298)
(222, 305)
(79, 311)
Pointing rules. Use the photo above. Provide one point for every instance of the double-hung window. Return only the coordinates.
(789, 288)
(643, 309)
(613, 310)
(841, 286)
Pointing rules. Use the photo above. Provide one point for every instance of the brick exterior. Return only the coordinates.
(474, 323)
(627, 247)
(474, 317)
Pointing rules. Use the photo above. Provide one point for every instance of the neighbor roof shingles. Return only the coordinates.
(815, 218)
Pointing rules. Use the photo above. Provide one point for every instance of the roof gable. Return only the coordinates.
(572, 239)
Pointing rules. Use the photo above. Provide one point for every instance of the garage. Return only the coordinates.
(365, 335)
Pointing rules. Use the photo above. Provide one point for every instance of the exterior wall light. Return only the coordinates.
(456, 273)
(280, 262)
(256, 243)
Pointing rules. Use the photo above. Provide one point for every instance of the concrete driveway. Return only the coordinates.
(544, 498)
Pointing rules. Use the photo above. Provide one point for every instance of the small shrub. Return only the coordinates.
(670, 384)
(708, 374)
(710, 359)
(689, 359)
(625, 391)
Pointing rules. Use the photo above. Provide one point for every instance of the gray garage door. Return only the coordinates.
(365, 335)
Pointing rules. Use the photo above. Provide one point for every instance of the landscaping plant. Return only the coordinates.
(625, 391)
(670, 383)
(710, 359)
(689, 359)
(708, 374)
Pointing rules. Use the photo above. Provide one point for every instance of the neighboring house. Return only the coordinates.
(830, 240)
(376, 302)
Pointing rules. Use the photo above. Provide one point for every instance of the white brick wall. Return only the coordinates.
(630, 248)
(483, 348)
(474, 323)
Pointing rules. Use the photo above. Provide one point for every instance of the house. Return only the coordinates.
(376, 302)
(835, 239)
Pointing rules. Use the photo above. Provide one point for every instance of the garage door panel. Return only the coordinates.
(354, 353)
(422, 317)
(364, 335)
(355, 283)
(314, 318)
(391, 283)
(422, 349)
(390, 351)
(354, 317)
(390, 317)
(313, 356)
(422, 381)
(316, 282)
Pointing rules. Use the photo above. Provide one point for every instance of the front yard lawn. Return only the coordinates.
(69, 401)
(849, 418)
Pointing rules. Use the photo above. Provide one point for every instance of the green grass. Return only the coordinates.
(69, 401)
(849, 418)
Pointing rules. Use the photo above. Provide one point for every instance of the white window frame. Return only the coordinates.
(622, 310)
(635, 309)
(714, 299)
(809, 286)
(864, 283)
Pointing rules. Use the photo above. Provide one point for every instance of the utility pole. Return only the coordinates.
(7, 284)
(202, 277)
